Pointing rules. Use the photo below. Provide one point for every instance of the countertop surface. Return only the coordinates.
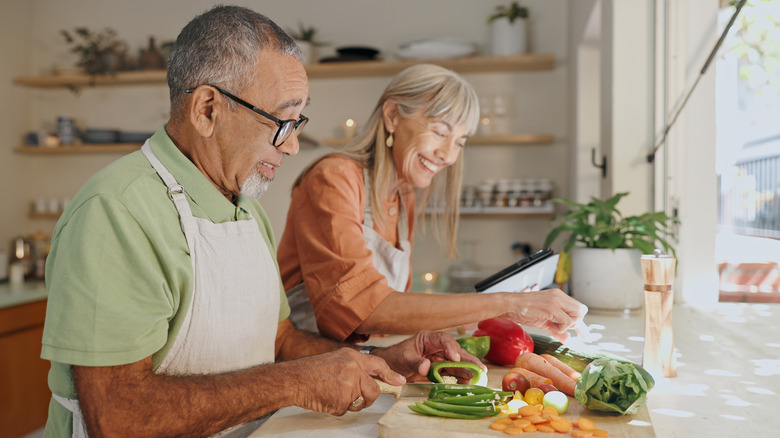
(727, 384)
(14, 295)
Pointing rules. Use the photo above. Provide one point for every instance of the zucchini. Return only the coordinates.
(578, 360)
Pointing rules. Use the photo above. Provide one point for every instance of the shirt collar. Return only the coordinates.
(216, 207)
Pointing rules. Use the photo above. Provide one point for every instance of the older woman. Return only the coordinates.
(345, 255)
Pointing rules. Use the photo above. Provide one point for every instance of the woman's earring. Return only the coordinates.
(389, 140)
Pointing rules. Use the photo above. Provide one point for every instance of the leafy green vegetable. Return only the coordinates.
(477, 346)
(610, 385)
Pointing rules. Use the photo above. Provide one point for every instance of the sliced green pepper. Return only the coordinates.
(475, 345)
(421, 408)
(440, 390)
(479, 376)
(476, 399)
(487, 410)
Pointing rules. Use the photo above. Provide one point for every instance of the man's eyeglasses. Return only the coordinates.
(285, 127)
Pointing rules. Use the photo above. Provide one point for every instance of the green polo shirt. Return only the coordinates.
(119, 274)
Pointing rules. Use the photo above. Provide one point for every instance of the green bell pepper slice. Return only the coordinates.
(477, 346)
(423, 409)
(479, 376)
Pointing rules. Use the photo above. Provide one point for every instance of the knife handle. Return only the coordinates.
(386, 388)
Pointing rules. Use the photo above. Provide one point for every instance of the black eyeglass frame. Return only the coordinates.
(282, 124)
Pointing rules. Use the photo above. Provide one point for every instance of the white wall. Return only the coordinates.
(692, 181)
(541, 98)
(15, 45)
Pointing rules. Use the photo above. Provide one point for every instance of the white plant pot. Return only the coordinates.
(508, 38)
(605, 279)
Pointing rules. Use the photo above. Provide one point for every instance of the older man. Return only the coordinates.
(166, 315)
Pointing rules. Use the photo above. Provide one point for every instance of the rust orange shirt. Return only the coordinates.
(323, 246)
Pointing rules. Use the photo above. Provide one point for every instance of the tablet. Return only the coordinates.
(537, 270)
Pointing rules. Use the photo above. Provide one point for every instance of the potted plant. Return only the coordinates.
(605, 249)
(100, 53)
(508, 30)
(305, 37)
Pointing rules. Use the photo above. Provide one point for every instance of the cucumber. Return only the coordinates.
(578, 360)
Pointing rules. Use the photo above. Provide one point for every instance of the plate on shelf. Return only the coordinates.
(101, 136)
(134, 137)
(437, 48)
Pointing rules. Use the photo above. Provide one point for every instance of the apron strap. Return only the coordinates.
(79, 427)
(368, 218)
(175, 190)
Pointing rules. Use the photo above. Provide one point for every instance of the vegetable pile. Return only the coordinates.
(608, 383)
(466, 402)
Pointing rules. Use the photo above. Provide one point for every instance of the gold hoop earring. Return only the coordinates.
(389, 140)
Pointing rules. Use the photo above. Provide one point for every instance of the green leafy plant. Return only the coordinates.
(511, 12)
(599, 224)
(100, 52)
(305, 33)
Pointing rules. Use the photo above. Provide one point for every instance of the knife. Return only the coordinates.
(407, 390)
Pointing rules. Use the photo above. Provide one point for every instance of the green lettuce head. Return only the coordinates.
(610, 385)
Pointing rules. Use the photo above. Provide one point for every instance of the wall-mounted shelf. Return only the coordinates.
(117, 148)
(508, 139)
(543, 211)
(471, 64)
(47, 215)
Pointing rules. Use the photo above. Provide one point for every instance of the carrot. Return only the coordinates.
(569, 371)
(539, 365)
(534, 379)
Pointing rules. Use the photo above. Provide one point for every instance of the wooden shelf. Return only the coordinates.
(115, 148)
(470, 64)
(544, 211)
(509, 139)
(38, 215)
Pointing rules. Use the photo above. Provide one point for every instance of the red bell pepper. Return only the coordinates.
(507, 340)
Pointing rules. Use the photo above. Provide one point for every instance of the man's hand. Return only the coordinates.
(550, 310)
(336, 379)
(412, 358)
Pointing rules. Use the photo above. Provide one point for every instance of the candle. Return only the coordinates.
(350, 128)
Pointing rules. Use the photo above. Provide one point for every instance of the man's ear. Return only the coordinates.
(390, 114)
(202, 110)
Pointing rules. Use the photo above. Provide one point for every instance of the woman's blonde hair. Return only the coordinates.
(437, 93)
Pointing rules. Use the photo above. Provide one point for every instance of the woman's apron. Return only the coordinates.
(392, 262)
(233, 315)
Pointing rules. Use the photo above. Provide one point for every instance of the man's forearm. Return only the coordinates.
(292, 343)
(130, 400)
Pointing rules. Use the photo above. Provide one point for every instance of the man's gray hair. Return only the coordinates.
(221, 46)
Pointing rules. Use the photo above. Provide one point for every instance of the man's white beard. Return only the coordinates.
(255, 185)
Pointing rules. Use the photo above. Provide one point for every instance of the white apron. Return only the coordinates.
(233, 316)
(392, 262)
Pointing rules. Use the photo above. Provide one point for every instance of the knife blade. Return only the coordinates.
(407, 390)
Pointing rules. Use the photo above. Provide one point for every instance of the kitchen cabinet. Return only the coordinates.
(23, 374)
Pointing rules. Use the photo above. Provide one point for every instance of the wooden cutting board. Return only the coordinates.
(400, 422)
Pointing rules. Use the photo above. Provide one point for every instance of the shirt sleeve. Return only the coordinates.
(109, 297)
(336, 266)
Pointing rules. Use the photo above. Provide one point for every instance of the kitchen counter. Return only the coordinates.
(28, 292)
(727, 384)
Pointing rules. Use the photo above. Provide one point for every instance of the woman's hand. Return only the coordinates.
(412, 358)
(550, 310)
